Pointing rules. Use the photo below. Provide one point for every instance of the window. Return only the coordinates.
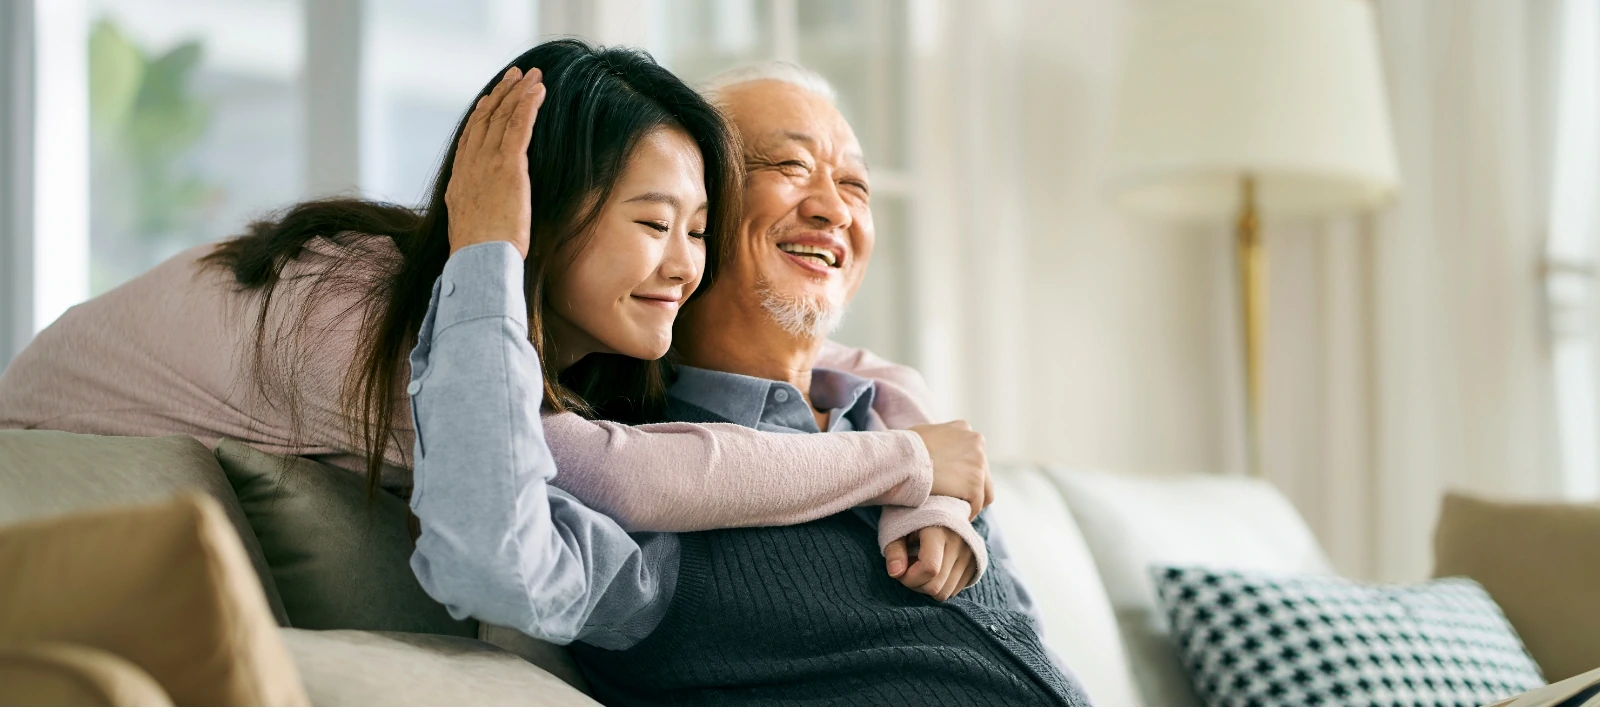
(195, 125)
(172, 123)
(424, 63)
(1570, 253)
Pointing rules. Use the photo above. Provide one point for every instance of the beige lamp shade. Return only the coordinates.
(1289, 92)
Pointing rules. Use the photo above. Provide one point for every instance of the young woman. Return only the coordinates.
(293, 337)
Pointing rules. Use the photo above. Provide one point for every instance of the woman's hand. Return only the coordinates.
(489, 198)
(944, 563)
(960, 465)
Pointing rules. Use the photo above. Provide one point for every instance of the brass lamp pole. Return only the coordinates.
(1228, 107)
(1253, 287)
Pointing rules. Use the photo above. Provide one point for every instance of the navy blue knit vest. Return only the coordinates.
(806, 615)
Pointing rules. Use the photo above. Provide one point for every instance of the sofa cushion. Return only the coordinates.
(1265, 639)
(165, 586)
(345, 667)
(1049, 556)
(1133, 523)
(61, 674)
(340, 560)
(44, 473)
(1538, 562)
(553, 658)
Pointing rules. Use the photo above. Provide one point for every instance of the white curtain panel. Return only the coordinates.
(1410, 353)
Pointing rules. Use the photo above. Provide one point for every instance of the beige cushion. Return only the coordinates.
(44, 473)
(553, 658)
(339, 559)
(167, 587)
(1539, 563)
(1132, 522)
(57, 674)
(1049, 555)
(347, 667)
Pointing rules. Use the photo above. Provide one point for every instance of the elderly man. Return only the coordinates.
(804, 614)
(795, 614)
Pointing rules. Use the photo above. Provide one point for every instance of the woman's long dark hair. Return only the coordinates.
(599, 103)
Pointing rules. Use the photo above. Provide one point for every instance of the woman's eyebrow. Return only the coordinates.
(667, 199)
(656, 198)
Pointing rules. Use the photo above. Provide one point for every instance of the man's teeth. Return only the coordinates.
(803, 250)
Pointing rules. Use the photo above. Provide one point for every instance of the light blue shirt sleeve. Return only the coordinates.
(498, 542)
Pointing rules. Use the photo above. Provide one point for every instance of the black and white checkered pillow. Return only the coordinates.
(1261, 640)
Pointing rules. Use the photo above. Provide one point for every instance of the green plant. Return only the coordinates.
(144, 120)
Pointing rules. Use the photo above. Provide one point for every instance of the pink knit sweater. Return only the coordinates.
(170, 353)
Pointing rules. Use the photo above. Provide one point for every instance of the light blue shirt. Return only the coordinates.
(498, 542)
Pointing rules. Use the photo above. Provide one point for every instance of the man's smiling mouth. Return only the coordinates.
(822, 255)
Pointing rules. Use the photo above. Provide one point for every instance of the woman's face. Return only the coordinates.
(642, 260)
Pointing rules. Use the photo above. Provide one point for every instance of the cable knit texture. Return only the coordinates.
(803, 615)
(170, 353)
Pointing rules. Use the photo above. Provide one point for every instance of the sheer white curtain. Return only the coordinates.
(1410, 353)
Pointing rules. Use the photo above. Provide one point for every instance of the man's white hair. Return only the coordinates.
(783, 71)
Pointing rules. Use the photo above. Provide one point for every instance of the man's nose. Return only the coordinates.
(824, 206)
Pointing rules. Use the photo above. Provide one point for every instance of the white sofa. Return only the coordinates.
(1083, 543)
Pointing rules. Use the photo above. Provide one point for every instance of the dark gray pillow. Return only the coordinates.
(46, 472)
(339, 560)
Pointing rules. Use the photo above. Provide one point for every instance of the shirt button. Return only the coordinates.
(414, 387)
(449, 287)
(780, 395)
(998, 632)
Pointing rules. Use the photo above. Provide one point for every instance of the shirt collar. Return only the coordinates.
(839, 390)
(738, 398)
(750, 401)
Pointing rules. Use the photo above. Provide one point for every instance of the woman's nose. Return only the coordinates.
(682, 260)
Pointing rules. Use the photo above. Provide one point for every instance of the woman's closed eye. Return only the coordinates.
(659, 226)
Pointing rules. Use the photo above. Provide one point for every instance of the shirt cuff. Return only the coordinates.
(949, 512)
(482, 280)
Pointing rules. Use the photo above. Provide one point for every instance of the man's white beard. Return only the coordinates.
(804, 318)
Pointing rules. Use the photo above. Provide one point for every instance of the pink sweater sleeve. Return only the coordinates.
(904, 400)
(689, 477)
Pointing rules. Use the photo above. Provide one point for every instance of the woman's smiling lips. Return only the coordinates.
(666, 302)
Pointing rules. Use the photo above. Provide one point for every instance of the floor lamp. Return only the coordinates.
(1249, 109)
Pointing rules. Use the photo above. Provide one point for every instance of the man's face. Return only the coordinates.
(807, 232)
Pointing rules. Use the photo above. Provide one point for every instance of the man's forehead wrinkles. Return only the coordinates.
(782, 137)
